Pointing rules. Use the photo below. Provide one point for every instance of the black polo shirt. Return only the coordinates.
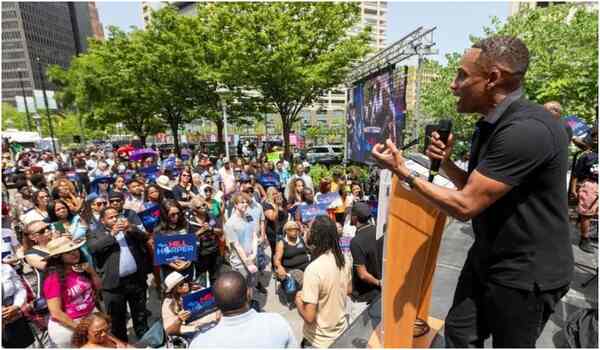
(523, 240)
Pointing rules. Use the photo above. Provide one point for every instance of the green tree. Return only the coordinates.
(12, 118)
(563, 47)
(290, 53)
(103, 85)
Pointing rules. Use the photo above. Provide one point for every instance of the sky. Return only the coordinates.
(455, 21)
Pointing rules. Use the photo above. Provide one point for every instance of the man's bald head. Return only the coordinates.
(554, 108)
(231, 291)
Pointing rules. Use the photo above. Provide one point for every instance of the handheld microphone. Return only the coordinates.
(443, 130)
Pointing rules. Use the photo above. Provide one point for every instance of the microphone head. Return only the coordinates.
(445, 125)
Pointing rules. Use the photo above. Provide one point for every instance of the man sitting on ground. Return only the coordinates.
(241, 326)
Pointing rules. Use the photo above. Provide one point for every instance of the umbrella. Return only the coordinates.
(125, 149)
(142, 153)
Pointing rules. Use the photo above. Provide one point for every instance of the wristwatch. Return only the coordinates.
(410, 179)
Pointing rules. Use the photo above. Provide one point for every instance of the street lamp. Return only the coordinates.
(39, 65)
(222, 92)
(20, 72)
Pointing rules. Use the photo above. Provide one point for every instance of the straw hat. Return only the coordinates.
(291, 225)
(164, 182)
(61, 245)
(172, 280)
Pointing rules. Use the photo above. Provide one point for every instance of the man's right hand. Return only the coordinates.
(437, 150)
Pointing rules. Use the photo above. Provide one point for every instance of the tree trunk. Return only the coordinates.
(285, 124)
(175, 131)
(143, 140)
(220, 137)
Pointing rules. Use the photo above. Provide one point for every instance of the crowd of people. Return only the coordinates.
(82, 231)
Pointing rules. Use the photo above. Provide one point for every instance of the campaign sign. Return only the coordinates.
(578, 126)
(328, 198)
(345, 244)
(268, 180)
(309, 212)
(199, 303)
(150, 217)
(168, 248)
(150, 172)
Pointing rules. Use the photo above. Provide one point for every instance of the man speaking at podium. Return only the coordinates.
(514, 191)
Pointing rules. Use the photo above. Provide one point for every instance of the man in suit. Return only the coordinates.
(118, 250)
(521, 262)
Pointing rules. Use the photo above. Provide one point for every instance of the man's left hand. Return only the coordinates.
(390, 158)
(298, 299)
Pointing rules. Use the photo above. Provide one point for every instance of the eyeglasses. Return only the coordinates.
(99, 204)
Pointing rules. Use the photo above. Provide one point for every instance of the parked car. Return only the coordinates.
(325, 154)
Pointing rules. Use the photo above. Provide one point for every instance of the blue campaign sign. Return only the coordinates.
(309, 212)
(578, 126)
(328, 198)
(200, 303)
(150, 172)
(150, 217)
(168, 248)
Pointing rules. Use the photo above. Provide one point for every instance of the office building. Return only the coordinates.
(52, 31)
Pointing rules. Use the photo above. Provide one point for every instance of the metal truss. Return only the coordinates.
(417, 43)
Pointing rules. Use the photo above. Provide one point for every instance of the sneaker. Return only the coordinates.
(585, 244)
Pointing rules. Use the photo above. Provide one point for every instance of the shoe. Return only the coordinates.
(261, 288)
(585, 244)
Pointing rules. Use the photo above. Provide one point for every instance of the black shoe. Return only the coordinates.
(261, 288)
(585, 244)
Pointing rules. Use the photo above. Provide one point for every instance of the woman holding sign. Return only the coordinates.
(173, 223)
(176, 320)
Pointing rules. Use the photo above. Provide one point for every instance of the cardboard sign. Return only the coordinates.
(168, 248)
(345, 244)
(309, 212)
(200, 303)
(150, 217)
(328, 198)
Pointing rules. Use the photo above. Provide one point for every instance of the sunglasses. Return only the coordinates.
(40, 231)
(99, 204)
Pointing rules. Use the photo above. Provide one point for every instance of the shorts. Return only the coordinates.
(587, 198)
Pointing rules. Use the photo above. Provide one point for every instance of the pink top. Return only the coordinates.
(77, 293)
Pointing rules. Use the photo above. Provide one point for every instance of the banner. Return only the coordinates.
(199, 303)
(328, 198)
(309, 212)
(150, 217)
(168, 248)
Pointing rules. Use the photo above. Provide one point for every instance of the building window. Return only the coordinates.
(13, 55)
(370, 12)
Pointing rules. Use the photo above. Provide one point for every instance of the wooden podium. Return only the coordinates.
(412, 242)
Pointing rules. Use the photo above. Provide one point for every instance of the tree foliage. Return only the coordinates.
(563, 47)
(291, 53)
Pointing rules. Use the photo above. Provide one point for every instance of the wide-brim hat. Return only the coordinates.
(164, 182)
(62, 245)
(172, 280)
(291, 225)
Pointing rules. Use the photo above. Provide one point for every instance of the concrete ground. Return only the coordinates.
(456, 241)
